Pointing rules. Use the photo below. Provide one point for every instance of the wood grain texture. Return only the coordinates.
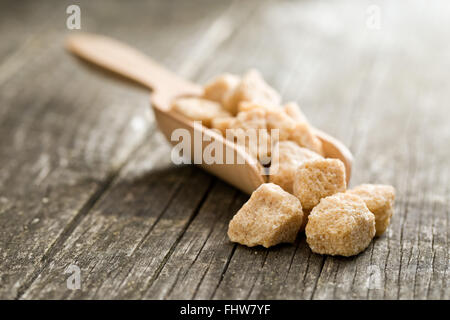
(65, 135)
(86, 179)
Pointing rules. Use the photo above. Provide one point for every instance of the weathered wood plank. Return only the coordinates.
(63, 143)
(204, 246)
(120, 266)
(163, 200)
(390, 267)
(54, 163)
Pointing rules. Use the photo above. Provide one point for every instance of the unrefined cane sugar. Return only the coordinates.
(380, 201)
(249, 129)
(271, 216)
(279, 120)
(302, 134)
(252, 87)
(222, 124)
(218, 88)
(199, 109)
(305, 191)
(318, 178)
(286, 158)
(340, 224)
(250, 105)
(252, 119)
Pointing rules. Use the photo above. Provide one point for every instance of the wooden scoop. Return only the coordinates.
(130, 63)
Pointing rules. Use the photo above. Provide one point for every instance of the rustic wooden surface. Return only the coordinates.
(85, 177)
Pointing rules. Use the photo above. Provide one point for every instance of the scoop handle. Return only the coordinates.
(128, 62)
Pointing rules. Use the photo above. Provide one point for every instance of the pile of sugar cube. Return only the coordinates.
(307, 192)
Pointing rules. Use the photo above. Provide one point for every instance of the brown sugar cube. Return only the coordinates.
(255, 142)
(222, 124)
(219, 87)
(293, 110)
(302, 134)
(319, 178)
(380, 201)
(278, 119)
(251, 119)
(252, 87)
(199, 109)
(340, 224)
(249, 129)
(250, 105)
(286, 158)
(271, 216)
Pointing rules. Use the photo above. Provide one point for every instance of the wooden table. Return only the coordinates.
(86, 178)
